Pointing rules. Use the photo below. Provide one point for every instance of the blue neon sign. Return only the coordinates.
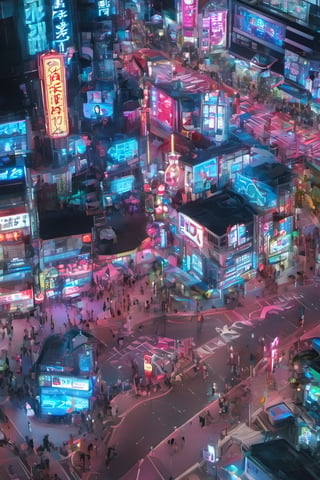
(257, 193)
(35, 13)
(61, 25)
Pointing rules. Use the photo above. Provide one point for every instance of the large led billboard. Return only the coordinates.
(250, 23)
(204, 175)
(162, 108)
(54, 93)
(258, 193)
(189, 13)
(296, 68)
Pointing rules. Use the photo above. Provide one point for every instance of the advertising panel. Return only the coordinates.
(35, 21)
(257, 192)
(190, 229)
(122, 185)
(14, 222)
(97, 110)
(204, 175)
(296, 68)
(70, 383)
(124, 151)
(54, 93)
(162, 108)
(218, 30)
(62, 26)
(189, 13)
(62, 404)
(280, 244)
(16, 297)
(11, 175)
(13, 138)
(254, 25)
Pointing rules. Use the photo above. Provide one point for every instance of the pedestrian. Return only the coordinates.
(104, 308)
(52, 325)
(183, 441)
(29, 426)
(213, 389)
(301, 321)
(202, 421)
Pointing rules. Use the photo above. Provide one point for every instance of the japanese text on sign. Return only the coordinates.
(61, 25)
(52, 73)
(14, 222)
(36, 27)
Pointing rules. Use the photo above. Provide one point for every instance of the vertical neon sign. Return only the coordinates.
(54, 94)
(61, 25)
(34, 12)
(189, 13)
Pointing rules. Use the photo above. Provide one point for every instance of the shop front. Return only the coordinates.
(62, 395)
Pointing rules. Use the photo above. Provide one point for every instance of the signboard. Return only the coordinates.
(11, 175)
(204, 175)
(280, 244)
(14, 222)
(296, 68)
(54, 93)
(62, 26)
(97, 110)
(216, 26)
(105, 8)
(36, 29)
(58, 381)
(258, 193)
(124, 151)
(147, 364)
(122, 185)
(17, 296)
(191, 229)
(162, 108)
(13, 137)
(62, 404)
(262, 28)
(189, 13)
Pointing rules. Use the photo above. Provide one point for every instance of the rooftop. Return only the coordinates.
(62, 223)
(220, 211)
(270, 173)
(283, 461)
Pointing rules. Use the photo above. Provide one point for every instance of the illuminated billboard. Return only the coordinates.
(124, 151)
(296, 68)
(13, 138)
(97, 110)
(54, 94)
(191, 229)
(257, 26)
(69, 383)
(162, 108)
(189, 13)
(36, 29)
(122, 184)
(257, 193)
(204, 175)
(214, 30)
(62, 404)
(62, 26)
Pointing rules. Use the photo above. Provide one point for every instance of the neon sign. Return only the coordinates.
(104, 8)
(191, 229)
(14, 222)
(35, 13)
(11, 174)
(61, 25)
(189, 13)
(257, 192)
(54, 94)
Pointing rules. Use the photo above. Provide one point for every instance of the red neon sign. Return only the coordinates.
(54, 94)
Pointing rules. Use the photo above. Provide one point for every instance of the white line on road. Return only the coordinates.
(140, 440)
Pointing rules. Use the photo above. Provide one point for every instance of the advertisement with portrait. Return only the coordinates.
(218, 30)
(204, 175)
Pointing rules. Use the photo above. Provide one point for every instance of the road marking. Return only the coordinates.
(140, 440)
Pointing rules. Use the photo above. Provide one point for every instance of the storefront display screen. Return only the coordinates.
(204, 175)
(124, 151)
(196, 264)
(97, 110)
(162, 108)
(250, 23)
(62, 404)
(280, 244)
(122, 185)
(296, 68)
(13, 137)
